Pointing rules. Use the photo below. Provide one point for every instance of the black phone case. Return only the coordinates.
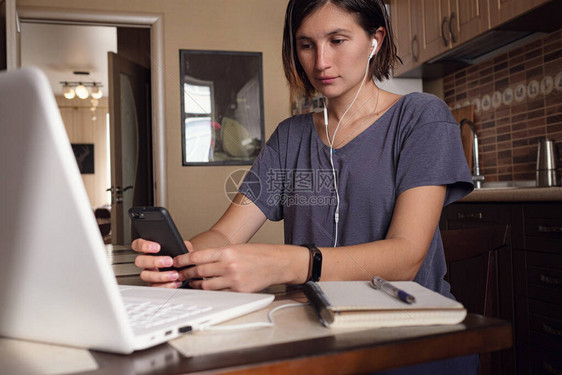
(156, 224)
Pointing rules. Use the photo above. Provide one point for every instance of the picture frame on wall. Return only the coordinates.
(84, 153)
(221, 96)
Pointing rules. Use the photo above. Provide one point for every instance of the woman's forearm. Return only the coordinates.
(393, 259)
(211, 238)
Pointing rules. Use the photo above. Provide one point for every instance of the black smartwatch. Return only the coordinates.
(315, 265)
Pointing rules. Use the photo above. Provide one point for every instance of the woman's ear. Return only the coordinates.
(379, 36)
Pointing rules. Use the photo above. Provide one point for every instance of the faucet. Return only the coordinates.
(477, 178)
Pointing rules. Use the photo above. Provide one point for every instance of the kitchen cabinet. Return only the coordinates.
(505, 10)
(416, 26)
(447, 24)
(406, 39)
(537, 260)
(434, 33)
(529, 276)
(426, 29)
(477, 215)
(467, 19)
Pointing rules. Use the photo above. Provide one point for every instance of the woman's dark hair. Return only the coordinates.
(370, 15)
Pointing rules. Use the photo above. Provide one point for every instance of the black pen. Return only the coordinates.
(391, 290)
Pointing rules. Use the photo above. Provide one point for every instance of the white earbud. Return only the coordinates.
(375, 45)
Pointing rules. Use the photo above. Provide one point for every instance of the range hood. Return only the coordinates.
(487, 46)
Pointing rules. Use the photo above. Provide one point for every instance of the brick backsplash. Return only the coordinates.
(518, 100)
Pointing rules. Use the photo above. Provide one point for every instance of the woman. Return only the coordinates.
(365, 181)
(362, 184)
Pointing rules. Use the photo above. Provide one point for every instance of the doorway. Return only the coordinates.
(155, 23)
(70, 55)
(131, 143)
(154, 184)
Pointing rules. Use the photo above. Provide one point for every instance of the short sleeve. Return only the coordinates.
(432, 154)
(260, 186)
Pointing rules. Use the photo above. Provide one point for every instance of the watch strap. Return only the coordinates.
(315, 263)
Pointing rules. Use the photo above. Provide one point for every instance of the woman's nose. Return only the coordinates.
(322, 58)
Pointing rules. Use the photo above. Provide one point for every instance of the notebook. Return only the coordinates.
(356, 303)
(56, 284)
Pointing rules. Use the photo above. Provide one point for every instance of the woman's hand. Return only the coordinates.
(152, 263)
(238, 224)
(244, 267)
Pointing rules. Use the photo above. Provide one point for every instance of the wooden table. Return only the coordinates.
(348, 353)
(357, 352)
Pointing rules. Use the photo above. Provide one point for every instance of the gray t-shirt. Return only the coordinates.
(415, 143)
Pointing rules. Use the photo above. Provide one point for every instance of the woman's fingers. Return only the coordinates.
(151, 261)
(200, 272)
(151, 275)
(157, 278)
(151, 264)
(189, 245)
(199, 264)
(144, 246)
(215, 283)
(171, 285)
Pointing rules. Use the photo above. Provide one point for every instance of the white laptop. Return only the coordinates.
(56, 284)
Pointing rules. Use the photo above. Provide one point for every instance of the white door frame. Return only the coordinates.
(12, 35)
(156, 24)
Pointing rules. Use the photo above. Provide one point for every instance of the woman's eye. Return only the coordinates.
(338, 41)
(306, 46)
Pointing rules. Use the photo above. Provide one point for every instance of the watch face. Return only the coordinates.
(315, 269)
(316, 265)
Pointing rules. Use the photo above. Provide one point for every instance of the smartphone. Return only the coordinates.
(155, 224)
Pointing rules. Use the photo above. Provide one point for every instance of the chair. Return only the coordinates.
(472, 271)
(103, 217)
(471, 256)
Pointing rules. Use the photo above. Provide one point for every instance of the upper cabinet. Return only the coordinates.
(468, 18)
(408, 51)
(425, 29)
(504, 10)
(430, 33)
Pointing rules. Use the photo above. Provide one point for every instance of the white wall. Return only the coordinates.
(402, 86)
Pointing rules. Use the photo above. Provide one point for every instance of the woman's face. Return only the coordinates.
(333, 50)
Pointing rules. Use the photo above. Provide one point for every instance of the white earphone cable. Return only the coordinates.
(270, 323)
(331, 143)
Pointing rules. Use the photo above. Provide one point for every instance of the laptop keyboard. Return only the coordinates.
(149, 314)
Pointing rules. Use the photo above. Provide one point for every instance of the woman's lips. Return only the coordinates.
(326, 80)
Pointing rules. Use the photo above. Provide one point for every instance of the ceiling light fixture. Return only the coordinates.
(68, 91)
(80, 89)
(96, 91)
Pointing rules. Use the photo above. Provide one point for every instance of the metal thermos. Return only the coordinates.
(547, 163)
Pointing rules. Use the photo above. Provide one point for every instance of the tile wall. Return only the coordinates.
(517, 98)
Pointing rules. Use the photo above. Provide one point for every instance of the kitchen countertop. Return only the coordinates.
(515, 194)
